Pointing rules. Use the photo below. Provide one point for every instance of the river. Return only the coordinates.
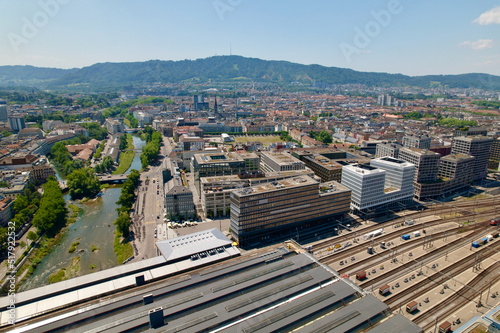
(94, 226)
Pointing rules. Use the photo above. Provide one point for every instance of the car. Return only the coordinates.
(158, 217)
(157, 192)
(154, 180)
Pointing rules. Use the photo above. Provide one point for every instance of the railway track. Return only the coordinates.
(382, 257)
(461, 297)
(338, 256)
(414, 264)
(437, 278)
(451, 206)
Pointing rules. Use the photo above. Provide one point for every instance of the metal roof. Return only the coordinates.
(185, 246)
(396, 323)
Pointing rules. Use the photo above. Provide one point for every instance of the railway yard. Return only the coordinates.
(430, 266)
(426, 257)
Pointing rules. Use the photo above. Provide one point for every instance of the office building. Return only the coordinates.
(455, 174)
(388, 149)
(477, 146)
(3, 111)
(279, 161)
(413, 141)
(272, 210)
(216, 191)
(426, 163)
(495, 154)
(222, 164)
(16, 122)
(470, 131)
(383, 183)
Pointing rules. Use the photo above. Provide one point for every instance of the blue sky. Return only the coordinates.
(410, 37)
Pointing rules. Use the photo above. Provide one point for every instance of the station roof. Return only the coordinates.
(188, 245)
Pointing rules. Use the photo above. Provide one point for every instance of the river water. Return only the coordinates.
(94, 226)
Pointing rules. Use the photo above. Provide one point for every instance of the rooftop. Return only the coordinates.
(186, 246)
(277, 185)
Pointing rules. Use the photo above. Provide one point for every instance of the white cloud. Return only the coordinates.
(491, 16)
(479, 44)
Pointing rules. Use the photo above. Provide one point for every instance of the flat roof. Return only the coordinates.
(277, 185)
(188, 245)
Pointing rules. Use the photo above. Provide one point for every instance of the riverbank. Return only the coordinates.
(126, 157)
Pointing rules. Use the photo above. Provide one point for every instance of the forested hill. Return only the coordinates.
(225, 68)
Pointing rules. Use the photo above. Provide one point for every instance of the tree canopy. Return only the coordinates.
(51, 216)
(83, 183)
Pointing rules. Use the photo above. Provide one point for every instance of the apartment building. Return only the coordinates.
(272, 210)
(477, 146)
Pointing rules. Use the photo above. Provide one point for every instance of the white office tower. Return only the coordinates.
(385, 182)
(3, 111)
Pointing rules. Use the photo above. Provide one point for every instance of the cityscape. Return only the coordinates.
(229, 193)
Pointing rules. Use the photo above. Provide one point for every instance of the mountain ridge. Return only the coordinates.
(111, 75)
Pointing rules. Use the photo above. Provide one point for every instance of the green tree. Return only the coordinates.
(32, 236)
(52, 214)
(6, 133)
(83, 183)
(123, 224)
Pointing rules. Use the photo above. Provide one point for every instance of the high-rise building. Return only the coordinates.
(455, 174)
(495, 154)
(16, 122)
(385, 182)
(470, 131)
(426, 163)
(273, 210)
(414, 141)
(3, 111)
(477, 146)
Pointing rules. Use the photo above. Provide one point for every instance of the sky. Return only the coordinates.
(395, 36)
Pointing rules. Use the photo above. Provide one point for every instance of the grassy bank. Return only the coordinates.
(75, 211)
(66, 273)
(123, 249)
(126, 157)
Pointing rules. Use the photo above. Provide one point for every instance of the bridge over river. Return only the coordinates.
(106, 179)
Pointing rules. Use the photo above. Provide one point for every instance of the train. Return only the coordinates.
(495, 221)
(361, 275)
(411, 307)
(384, 290)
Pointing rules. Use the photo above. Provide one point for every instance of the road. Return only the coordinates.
(150, 205)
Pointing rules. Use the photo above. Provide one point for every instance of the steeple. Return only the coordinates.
(215, 105)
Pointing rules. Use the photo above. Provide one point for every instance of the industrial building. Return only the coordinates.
(385, 182)
(477, 146)
(273, 210)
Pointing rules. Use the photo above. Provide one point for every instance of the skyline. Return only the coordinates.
(379, 36)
